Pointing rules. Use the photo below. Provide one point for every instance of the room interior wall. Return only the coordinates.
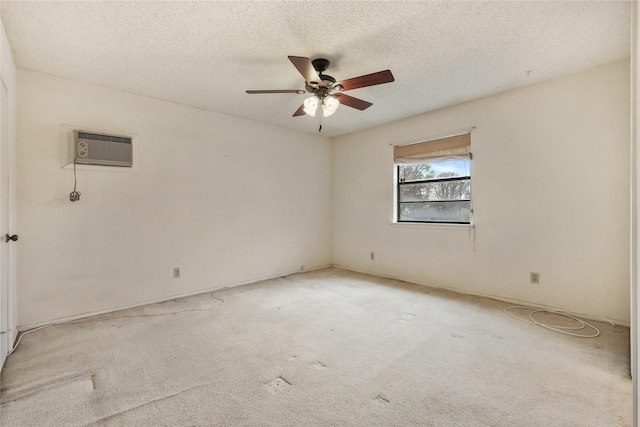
(539, 162)
(550, 183)
(225, 199)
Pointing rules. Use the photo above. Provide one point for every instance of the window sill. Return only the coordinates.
(432, 225)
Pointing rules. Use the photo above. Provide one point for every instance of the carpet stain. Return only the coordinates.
(406, 317)
(457, 336)
(277, 385)
(381, 399)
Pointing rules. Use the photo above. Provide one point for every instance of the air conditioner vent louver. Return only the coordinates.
(102, 149)
(98, 137)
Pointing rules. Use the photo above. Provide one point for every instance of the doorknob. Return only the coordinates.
(7, 237)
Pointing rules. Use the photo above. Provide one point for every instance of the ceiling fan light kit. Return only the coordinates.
(324, 89)
(329, 104)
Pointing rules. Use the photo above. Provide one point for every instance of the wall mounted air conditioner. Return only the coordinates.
(92, 148)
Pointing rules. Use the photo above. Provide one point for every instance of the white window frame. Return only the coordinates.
(429, 151)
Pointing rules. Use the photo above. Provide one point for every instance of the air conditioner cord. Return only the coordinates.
(74, 196)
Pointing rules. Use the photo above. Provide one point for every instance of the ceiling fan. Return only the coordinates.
(324, 89)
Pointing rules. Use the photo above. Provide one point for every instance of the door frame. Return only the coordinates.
(10, 303)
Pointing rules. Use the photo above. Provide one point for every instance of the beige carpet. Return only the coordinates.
(324, 348)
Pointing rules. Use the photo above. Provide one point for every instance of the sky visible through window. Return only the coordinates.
(460, 167)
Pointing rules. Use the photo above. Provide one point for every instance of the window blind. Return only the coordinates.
(451, 146)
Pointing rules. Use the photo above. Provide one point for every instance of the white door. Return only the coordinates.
(4, 222)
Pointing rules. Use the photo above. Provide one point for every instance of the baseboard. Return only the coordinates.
(71, 318)
(477, 294)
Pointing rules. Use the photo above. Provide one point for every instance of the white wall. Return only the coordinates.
(550, 180)
(225, 199)
(231, 201)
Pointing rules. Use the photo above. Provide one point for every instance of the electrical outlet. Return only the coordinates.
(535, 278)
(373, 256)
(176, 272)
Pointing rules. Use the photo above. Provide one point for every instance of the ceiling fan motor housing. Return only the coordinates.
(326, 81)
(321, 90)
(320, 64)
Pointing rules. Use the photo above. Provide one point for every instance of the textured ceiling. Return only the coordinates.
(206, 54)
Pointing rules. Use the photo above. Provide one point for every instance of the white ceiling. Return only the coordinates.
(206, 54)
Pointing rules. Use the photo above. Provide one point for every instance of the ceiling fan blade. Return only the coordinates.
(299, 111)
(367, 80)
(305, 67)
(253, 92)
(352, 102)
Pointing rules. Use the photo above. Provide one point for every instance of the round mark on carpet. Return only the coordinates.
(277, 385)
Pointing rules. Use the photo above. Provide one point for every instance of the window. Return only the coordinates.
(434, 181)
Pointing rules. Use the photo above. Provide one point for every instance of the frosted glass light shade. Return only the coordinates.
(330, 105)
(310, 105)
